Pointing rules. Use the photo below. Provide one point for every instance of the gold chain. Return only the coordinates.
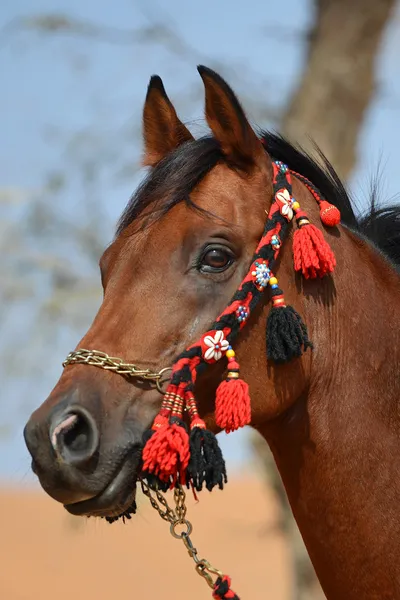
(117, 365)
(181, 528)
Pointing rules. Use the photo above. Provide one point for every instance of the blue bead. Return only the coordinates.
(274, 287)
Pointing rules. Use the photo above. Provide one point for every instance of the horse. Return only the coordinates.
(324, 398)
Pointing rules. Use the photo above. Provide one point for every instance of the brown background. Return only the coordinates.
(46, 554)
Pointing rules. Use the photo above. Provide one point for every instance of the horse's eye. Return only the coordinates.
(215, 259)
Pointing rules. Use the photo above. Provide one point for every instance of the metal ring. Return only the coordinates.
(202, 570)
(159, 380)
(187, 524)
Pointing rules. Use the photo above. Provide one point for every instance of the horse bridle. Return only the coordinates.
(330, 216)
(117, 365)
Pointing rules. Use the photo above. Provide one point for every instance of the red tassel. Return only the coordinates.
(312, 254)
(329, 213)
(232, 401)
(166, 453)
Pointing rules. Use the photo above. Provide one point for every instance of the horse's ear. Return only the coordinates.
(162, 130)
(228, 122)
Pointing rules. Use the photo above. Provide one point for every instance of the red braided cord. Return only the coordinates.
(192, 363)
(307, 183)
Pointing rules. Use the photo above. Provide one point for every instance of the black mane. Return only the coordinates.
(174, 178)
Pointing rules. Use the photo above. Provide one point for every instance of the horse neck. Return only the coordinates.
(337, 448)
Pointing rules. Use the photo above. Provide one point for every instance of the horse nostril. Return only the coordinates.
(75, 438)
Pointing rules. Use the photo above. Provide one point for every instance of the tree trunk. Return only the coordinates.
(339, 79)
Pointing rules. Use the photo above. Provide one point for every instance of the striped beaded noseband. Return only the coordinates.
(175, 453)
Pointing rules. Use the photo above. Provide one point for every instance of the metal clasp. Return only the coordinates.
(205, 569)
(160, 380)
(177, 519)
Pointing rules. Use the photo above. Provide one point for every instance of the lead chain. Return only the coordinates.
(177, 520)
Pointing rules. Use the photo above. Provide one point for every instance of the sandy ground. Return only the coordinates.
(48, 554)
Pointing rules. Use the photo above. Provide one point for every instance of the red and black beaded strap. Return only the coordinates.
(172, 452)
(250, 291)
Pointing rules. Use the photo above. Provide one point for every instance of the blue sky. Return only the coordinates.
(55, 86)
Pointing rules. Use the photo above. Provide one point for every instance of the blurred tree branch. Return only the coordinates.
(160, 32)
(339, 79)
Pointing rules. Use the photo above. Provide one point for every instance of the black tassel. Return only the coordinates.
(155, 483)
(287, 335)
(206, 464)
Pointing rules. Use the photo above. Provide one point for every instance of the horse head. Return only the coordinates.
(184, 245)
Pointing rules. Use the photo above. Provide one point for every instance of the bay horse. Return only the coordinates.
(184, 248)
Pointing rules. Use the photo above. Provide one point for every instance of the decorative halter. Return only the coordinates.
(172, 452)
(175, 455)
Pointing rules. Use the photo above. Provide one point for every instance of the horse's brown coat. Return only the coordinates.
(331, 417)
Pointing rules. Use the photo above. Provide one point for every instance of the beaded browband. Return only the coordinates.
(174, 453)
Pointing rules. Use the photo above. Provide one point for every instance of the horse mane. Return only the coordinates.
(381, 226)
(172, 180)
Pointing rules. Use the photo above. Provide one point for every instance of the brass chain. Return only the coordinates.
(177, 519)
(166, 512)
(117, 365)
(180, 527)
